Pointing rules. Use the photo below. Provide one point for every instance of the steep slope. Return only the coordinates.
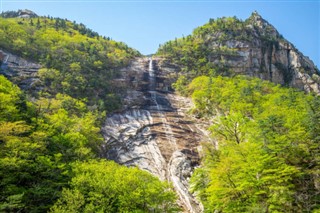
(154, 131)
(73, 59)
(20, 71)
(50, 137)
(48, 161)
(229, 46)
(265, 155)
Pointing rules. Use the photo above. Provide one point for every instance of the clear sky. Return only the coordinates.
(144, 24)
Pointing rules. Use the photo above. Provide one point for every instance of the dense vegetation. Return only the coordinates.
(196, 53)
(265, 152)
(265, 157)
(50, 143)
(101, 186)
(48, 154)
(76, 61)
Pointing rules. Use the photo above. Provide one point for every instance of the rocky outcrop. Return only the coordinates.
(129, 141)
(20, 71)
(20, 14)
(153, 131)
(27, 14)
(265, 54)
(229, 46)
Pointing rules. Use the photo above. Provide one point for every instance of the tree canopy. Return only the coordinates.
(75, 60)
(50, 139)
(266, 155)
(49, 159)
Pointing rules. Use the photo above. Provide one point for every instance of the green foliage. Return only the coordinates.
(11, 101)
(49, 147)
(267, 157)
(195, 52)
(32, 166)
(102, 186)
(48, 152)
(181, 85)
(209, 47)
(76, 61)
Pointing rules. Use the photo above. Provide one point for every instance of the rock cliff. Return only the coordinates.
(153, 131)
(20, 14)
(20, 71)
(252, 47)
(271, 57)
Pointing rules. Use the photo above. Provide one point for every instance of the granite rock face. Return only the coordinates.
(253, 47)
(152, 131)
(266, 55)
(19, 14)
(19, 70)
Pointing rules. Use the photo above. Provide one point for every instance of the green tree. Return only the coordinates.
(265, 157)
(102, 186)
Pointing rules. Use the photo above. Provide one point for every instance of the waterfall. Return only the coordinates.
(146, 138)
(5, 61)
(152, 77)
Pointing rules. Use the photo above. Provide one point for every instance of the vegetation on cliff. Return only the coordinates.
(265, 157)
(266, 154)
(193, 52)
(49, 155)
(50, 143)
(229, 46)
(76, 61)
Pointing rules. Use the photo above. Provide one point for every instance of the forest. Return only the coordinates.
(264, 154)
(264, 149)
(50, 139)
(75, 60)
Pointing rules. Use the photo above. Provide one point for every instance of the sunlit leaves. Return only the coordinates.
(76, 61)
(9, 100)
(38, 141)
(265, 146)
(101, 186)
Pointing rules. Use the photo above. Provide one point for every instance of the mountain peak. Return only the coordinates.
(255, 14)
(265, 27)
(26, 14)
(19, 14)
(257, 18)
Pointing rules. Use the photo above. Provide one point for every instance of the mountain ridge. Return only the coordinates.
(254, 139)
(253, 47)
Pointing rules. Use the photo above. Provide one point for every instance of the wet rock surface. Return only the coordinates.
(152, 133)
(20, 71)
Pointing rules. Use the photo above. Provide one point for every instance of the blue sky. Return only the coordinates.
(144, 24)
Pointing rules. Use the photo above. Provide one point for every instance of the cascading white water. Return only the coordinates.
(177, 158)
(5, 61)
(167, 127)
(146, 137)
(152, 77)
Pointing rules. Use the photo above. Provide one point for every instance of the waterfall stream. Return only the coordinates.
(152, 77)
(159, 110)
(150, 138)
(177, 159)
